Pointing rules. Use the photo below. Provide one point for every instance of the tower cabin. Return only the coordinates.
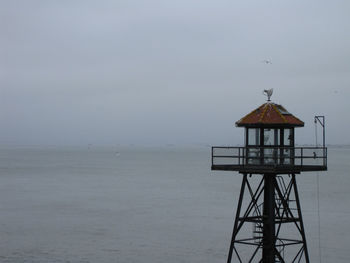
(269, 145)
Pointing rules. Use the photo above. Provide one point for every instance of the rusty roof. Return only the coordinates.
(270, 114)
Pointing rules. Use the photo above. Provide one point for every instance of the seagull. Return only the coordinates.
(268, 93)
(266, 61)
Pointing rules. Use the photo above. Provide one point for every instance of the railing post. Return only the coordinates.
(301, 153)
(239, 156)
(244, 154)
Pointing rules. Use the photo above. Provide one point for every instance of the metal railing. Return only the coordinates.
(269, 156)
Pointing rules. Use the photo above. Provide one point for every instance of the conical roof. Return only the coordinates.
(270, 115)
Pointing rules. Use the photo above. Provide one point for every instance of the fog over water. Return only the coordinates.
(168, 72)
(85, 85)
(157, 205)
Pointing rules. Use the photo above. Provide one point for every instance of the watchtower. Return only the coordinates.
(269, 199)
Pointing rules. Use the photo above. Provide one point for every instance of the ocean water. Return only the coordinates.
(131, 204)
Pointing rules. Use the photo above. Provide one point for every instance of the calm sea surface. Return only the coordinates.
(145, 205)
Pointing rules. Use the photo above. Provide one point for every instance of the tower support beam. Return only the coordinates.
(272, 207)
(269, 238)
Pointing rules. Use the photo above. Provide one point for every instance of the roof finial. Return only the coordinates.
(268, 93)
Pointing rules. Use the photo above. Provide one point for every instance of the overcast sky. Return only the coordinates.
(169, 72)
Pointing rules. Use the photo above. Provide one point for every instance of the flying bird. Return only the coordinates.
(266, 61)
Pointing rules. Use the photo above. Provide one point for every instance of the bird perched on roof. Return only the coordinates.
(268, 93)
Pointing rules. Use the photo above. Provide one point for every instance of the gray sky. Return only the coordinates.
(169, 72)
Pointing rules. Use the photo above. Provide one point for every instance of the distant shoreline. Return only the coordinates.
(118, 146)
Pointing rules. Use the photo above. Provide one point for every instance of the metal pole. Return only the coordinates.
(324, 132)
(302, 232)
(324, 139)
(323, 124)
(234, 232)
(269, 219)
